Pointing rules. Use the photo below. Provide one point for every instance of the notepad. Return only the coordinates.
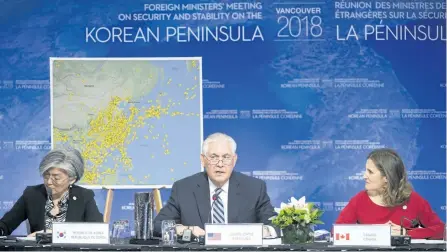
(427, 241)
(26, 238)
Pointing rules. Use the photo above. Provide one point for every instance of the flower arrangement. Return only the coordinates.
(297, 219)
(297, 212)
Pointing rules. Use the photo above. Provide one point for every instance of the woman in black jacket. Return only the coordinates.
(57, 199)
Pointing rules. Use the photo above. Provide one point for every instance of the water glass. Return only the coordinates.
(120, 232)
(445, 233)
(168, 233)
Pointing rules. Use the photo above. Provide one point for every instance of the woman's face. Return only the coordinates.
(57, 180)
(374, 181)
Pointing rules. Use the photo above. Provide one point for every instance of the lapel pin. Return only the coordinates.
(74, 197)
(405, 207)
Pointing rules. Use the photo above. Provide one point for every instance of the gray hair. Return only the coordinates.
(218, 136)
(390, 165)
(68, 159)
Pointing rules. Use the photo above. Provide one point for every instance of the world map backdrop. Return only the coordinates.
(306, 88)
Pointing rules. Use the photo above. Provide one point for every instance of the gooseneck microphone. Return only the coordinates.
(414, 223)
(214, 198)
(403, 240)
(44, 238)
(49, 193)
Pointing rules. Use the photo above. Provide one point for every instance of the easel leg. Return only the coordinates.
(157, 199)
(108, 206)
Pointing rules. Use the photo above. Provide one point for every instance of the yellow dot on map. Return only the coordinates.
(184, 163)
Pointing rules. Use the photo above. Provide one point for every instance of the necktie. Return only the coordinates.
(218, 208)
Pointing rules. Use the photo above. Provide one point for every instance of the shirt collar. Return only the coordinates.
(213, 186)
(63, 200)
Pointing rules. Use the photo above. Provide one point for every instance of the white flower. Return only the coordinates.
(299, 204)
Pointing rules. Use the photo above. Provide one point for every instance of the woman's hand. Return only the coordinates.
(41, 231)
(395, 229)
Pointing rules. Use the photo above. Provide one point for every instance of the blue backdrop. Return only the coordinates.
(306, 88)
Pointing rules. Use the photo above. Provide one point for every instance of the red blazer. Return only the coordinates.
(419, 219)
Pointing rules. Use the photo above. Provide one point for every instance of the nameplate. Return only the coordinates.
(362, 235)
(234, 234)
(81, 232)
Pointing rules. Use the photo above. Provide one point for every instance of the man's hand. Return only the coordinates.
(269, 232)
(266, 232)
(197, 231)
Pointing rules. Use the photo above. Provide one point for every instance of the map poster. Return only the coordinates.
(123, 114)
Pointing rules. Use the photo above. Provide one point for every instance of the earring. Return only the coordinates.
(71, 186)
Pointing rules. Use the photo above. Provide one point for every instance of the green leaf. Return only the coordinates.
(293, 216)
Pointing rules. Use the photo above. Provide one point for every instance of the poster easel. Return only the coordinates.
(109, 201)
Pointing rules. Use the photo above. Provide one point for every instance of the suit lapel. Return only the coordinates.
(202, 195)
(75, 206)
(234, 199)
(39, 207)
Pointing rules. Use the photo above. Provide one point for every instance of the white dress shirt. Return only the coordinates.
(223, 196)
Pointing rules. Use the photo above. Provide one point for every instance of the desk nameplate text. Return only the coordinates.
(242, 234)
(362, 235)
(81, 232)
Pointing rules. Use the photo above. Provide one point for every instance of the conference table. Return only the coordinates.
(317, 246)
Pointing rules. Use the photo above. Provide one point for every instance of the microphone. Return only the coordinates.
(44, 238)
(401, 225)
(214, 198)
(402, 240)
(414, 223)
(49, 192)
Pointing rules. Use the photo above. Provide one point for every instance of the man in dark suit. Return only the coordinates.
(219, 195)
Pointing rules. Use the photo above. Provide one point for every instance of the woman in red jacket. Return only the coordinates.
(389, 198)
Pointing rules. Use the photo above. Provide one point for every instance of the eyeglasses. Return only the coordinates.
(226, 160)
(54, 179)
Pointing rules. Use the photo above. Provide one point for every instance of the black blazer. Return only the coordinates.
(31, 205)
(189, 203)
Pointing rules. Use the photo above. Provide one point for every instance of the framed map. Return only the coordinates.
(137, 121)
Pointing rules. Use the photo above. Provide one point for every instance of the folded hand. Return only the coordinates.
(395, 229)
(41, 231)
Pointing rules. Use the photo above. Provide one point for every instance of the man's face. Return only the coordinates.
(219, 161)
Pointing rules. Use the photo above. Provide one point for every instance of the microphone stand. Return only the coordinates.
(401, 240)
